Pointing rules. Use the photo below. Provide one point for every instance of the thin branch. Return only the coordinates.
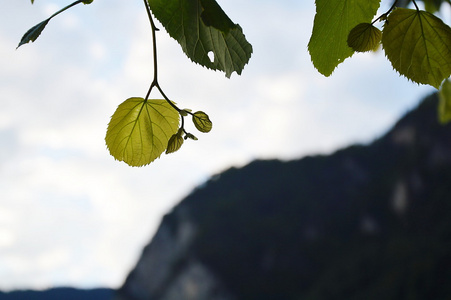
(154, 49)
(384, 15)
(65, 8)
(155, 61)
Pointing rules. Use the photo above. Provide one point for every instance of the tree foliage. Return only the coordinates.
(333, 22)
(416, 42)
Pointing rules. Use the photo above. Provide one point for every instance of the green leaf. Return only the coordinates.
(140, 129)
(432, 6)
(175, 142)
(444, 107)
(418, 45)
(201, 27)
(202, 121)
(364, 37)
(33, 33)
(334, 20)
(213, 15)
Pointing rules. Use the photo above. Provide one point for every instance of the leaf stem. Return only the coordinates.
(65, 8)
(154, 42)
(155, 60)
(384, 15)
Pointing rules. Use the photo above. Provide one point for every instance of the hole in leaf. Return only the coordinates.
(211, 56)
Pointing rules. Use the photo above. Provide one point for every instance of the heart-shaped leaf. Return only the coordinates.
(418, 45)
(140, 129)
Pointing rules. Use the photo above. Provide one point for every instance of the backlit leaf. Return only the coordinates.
(202, 121)
(444, 108)
(175, 142)
(140, 129)
(334, 20)
(201, 27)
(418, 45)
(364, 37)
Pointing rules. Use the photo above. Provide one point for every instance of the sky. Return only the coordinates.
(70, 215)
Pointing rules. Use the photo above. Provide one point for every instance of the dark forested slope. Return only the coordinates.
(367, 222)
(59, 294)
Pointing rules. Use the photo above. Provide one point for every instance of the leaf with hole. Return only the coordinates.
(200, 27)
(418, 45)
(140, 129)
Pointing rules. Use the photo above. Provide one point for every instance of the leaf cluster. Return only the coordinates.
(141, 129)
(200, 27)
(416, 42)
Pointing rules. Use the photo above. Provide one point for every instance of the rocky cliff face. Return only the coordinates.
(165, 272)
(367, 222)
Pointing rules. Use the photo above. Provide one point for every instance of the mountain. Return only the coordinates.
(366, 222)
(59, 294)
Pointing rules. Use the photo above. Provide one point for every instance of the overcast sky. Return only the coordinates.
(72, 215)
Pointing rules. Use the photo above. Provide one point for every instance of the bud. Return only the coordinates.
(175, 142)
(190, 136)
(184, 112)
(202, 121)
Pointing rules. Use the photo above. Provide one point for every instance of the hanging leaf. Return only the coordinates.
(444, 107)
(364, 37)
(334, 20)
(213, 15)
(175, 142)
(202, 121)
(33, 33)
(140, 129)
(201, 27)
(418, 45)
